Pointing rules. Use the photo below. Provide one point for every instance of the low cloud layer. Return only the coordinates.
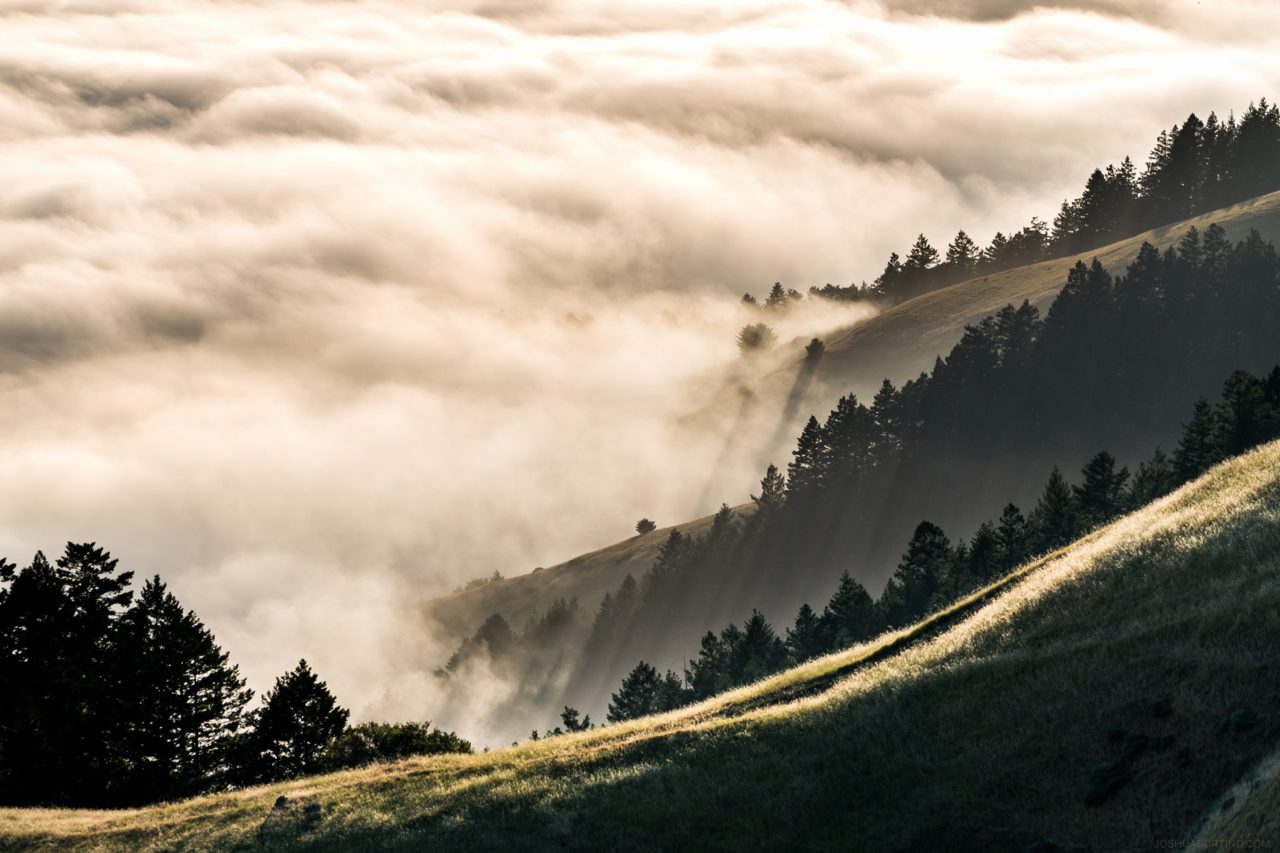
(316, 309)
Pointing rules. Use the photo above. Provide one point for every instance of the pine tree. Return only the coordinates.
(569, 716)
(804, 473)
(1240, 416)
(886, 414)
(914, 583)
(38, 712)
(922, 255)
(1197, 449)
(299, 717)
(671, 693)
(185, 700)
(1101, 497)
(773, 493)
(709, 672)
(962, 254)
(1056, 520)
(760, 653)
(1155, 478)
(804, 638)
(635, 698)
(849, 616)
(61, 713)
(984, 558)
(777, 299)
(1011, 539)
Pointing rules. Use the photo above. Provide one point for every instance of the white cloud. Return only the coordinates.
(316, 307)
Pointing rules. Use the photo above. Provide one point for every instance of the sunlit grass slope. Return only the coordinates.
(1103, 698)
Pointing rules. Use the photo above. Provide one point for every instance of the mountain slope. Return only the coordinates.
(897, 343)
(902, 341)
(587, 577)
(1103, 697)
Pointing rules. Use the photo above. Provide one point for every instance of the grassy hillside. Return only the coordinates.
(587, 577)
(1104, 697)
(898, 343)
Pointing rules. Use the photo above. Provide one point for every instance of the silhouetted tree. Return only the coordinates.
(644, 526)
(185, 700)
(569, 716)
(1056, 519)
(636, 697)
(1101, 496)
(805, 638)
(298, 719)
(912, 587)
(849, 616)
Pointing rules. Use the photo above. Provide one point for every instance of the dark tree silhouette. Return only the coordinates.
(187, 701)
(298, 720)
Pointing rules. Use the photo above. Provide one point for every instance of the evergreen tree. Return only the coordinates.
(804, 473)
(1056, 520)
(804, 639)
(760, 653)
(962, 255)
(922, 256)
(1101, 497)
(914, 583)
(849, 616)
(777, 297)
(636, 697)
(298, 719)
(60, 712)
(1197, 449)
(1240, 417)
(671, 693)
(1155, 478)
(984, 562)
(709, 672)
(569, 716)
(773, 493)
(1012, 539)
(185, 700)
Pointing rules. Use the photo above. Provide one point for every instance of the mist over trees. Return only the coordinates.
(933, 572)
(1194, 167)
(112, 699)
(1117, 362)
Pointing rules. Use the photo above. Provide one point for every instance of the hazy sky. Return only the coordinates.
(314, 308)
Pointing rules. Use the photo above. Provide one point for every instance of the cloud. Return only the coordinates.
(317, 309)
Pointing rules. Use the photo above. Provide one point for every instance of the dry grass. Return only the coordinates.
(976, 731)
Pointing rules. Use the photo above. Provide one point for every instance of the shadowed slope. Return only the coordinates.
(1103, 698)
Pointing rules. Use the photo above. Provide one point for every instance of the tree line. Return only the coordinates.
(1194, 167)
(117, 699)
(933, 572)
(1114, 363)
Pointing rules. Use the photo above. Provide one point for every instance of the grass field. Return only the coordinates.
(898, 343)
(1105, 697)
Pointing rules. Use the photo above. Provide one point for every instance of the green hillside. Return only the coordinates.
(1104, 697)
(898, 343)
